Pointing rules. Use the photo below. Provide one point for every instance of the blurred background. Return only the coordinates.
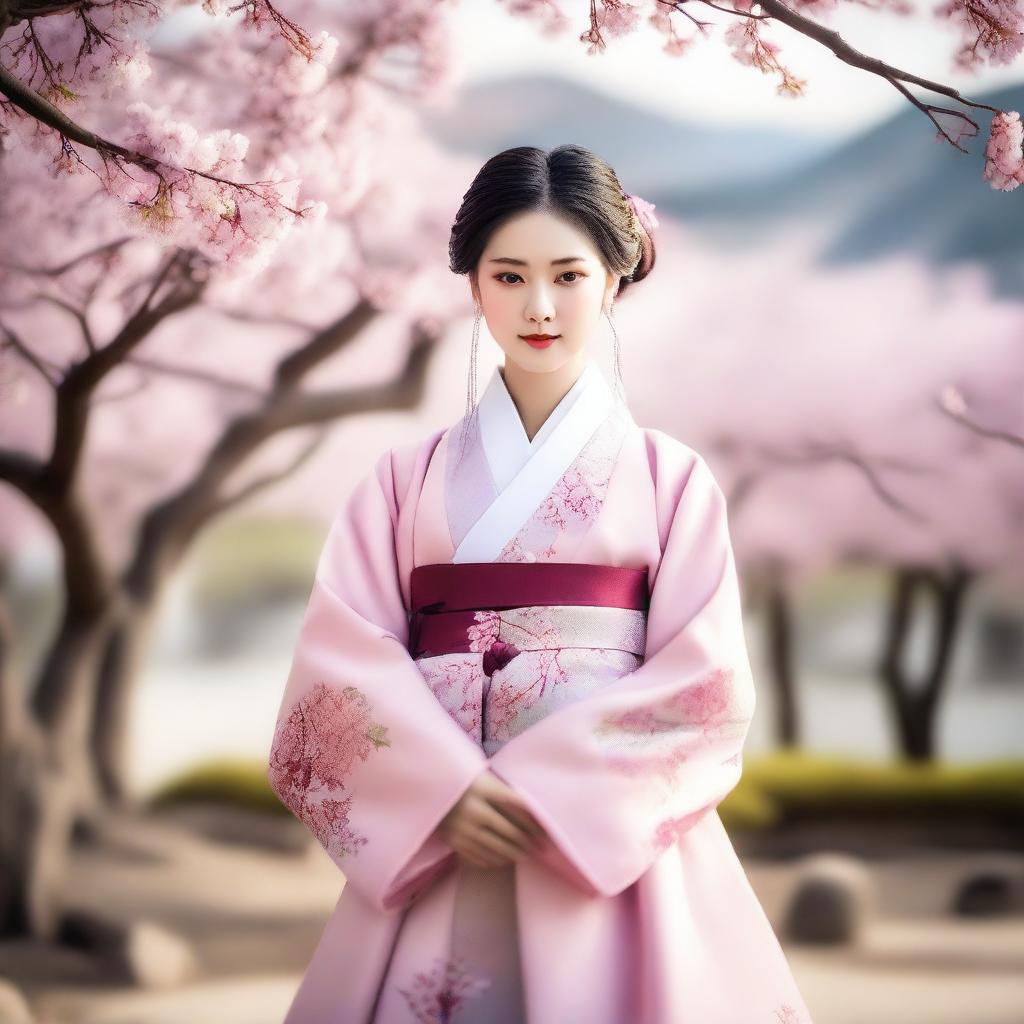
(835, 322)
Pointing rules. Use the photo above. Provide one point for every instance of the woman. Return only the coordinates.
(521, 687)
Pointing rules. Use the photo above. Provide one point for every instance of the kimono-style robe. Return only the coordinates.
(621, 730)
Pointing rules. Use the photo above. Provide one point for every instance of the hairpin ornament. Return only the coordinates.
(644, 212)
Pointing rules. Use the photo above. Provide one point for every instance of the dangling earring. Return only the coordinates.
(471, 381)
(619, 388)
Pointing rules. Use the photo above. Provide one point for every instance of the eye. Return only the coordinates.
(512, 273)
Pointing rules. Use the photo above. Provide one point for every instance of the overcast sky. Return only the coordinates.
(708, 84)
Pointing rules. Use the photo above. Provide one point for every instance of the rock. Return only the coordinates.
(989, 894)
(832, 896)
(13, 1007)
(155, 957)
(139, 953)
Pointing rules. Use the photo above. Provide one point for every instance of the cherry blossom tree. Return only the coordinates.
(54, 56)
(149, 365)
(198, 228)
(865, 416)
(989, 31)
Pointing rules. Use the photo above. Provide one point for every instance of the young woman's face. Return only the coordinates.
(524, 289)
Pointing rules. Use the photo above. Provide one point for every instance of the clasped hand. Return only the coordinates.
(490, 826)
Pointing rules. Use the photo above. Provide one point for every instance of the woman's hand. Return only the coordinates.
(490, 826)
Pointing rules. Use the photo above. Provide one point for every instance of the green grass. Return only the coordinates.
(772, 787)
(791, 783)
(235, 782)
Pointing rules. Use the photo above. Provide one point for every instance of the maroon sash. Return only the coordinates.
(445, 595)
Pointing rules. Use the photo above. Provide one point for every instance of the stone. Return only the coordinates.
(988, 893)
(831, 899)
(139, 953)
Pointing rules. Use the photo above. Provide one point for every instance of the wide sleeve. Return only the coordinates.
(363, 753)
(619, 776)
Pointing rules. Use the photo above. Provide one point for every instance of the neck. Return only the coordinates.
(536, 394)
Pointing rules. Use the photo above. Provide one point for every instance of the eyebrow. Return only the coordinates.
(523, 263)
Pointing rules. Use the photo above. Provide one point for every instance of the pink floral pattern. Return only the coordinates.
(657, 737)
(456, 680)
(524, 683)
(436, 997)
(786, 1014)
(493, 710)
(704, 703)
(576, 499)
(485, 632)
(315, 748)
(528, 628)
(671, 830)
(521, 686)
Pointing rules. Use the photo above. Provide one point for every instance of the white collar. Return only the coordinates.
(547, 460)
(506, 445)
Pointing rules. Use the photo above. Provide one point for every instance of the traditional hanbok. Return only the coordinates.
(566, 612)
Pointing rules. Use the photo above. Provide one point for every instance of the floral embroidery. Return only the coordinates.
(704, 703)
(541, 659)
(575, 500)
(314, 751)
(436, 997)
(786, 1014)
(456, 680)
(658, 737)
(530, 627)
(671, 830)
(524, 684)
(485, 632)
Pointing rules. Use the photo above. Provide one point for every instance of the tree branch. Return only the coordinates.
(169, 526)
(957, 411)
(848, 55)
(62, 268)
(23, 472)
(202, 376)
(818, 453)
(76, 390)
(13, 341)
(263, 482)
(78, 314)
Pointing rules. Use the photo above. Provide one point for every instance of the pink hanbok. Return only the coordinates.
(566, 612)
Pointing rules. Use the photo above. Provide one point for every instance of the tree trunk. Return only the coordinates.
(46, 779)
(914, 701)
(120, 667)
(37, 801)
(780, 652)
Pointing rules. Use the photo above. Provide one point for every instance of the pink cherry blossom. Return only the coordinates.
(992, 28)
(1004, 158)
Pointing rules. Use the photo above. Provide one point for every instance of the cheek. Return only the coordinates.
(498, 301)
(583, 300)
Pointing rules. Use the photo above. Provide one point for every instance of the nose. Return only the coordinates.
(540, 309)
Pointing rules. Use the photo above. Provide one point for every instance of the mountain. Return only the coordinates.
(894, 188)
(653, 156)
(891, 188)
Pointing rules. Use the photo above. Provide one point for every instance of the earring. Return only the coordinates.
(471, 380)
(471, 383)
(619, 387)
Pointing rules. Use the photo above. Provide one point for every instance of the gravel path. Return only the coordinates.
(253, 916)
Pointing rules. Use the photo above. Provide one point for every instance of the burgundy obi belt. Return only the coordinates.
(457, 608)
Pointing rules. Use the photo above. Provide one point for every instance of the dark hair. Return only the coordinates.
(569, 181)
